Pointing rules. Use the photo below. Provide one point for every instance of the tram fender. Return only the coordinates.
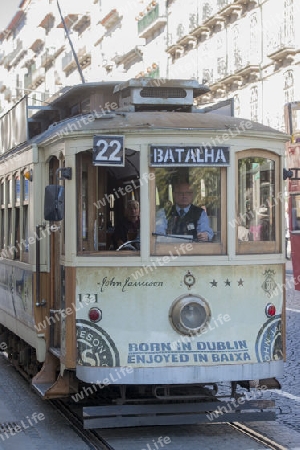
(50, 385)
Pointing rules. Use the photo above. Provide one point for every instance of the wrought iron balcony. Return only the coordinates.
(68, 62)
(38, 76)
(112, 18)
(151, 22)
(281, 50)
(27, 80)
(128, 58)
(84, 56)
(82, 23)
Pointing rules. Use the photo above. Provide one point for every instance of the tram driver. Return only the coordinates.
(184, 218)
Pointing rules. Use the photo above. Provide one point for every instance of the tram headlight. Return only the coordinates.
(189, 314)
(95, 314)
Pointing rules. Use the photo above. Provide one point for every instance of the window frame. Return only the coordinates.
(24, 217)
(260, 247)
(199, 248)
(95, 216)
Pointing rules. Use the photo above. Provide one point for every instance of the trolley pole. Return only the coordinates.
(71, 44)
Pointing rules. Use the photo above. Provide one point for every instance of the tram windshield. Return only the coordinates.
(108, 201)
(189, 208)
(183, 196)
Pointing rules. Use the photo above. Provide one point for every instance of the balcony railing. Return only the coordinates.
(82, 23)
(150, 22)
(37, 39)
(2, 86)
(148, 19)
(27, 80)
(111, 19)
(68, 62)
(127, 59)
(38, 76)
(84, 56)
(16, 54)
(48, 57)
(281, 46)
(222, 3)
(7, 94)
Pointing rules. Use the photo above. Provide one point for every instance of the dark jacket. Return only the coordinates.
(122, 229)
(186, 224)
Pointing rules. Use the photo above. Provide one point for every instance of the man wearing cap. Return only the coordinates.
(183, 217)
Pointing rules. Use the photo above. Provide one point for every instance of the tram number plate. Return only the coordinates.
(88, 298)
(108, 151)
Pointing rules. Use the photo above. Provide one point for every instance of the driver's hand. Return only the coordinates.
(126, 247)
(202, 236)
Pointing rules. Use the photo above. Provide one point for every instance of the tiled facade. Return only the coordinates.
(243, 49)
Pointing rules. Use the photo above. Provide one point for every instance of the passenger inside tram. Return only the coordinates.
(128, 228)
(183, 217)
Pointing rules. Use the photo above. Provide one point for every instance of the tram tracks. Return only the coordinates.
(269, 443)
(90, 437)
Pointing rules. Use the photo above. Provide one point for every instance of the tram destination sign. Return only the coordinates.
(108, 151)
(173, 155)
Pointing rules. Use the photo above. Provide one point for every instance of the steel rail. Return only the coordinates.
(256, 436)
(90, 437)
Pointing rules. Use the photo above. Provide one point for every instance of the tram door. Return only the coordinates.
(56, 274)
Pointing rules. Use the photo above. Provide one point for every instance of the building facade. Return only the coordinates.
(245, 50)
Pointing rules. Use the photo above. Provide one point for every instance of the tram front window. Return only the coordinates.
(188, 208)
(258, 205)
(106, 196)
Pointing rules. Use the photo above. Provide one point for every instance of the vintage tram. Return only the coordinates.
(154, 324)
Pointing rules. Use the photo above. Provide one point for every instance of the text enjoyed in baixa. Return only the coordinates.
(166, 155)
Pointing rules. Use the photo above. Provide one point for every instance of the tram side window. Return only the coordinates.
(24, 221)
(9, 216)
(17, 192)
(2, 214)
(189, 203)
(258, 205)
(14, 217)
(104, 194)
(295, 212)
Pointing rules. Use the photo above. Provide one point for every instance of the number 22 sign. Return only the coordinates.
(108, 151)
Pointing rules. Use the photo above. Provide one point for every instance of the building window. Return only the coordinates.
(254, 37)
(237, 106)
(237, 55)
(289, 32)
(289, 86)
(254, 104)
(206, 11)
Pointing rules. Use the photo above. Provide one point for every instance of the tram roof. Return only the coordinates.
(159, 120)
(133, 106)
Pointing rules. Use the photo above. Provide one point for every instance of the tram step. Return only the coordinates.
(119, 416)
